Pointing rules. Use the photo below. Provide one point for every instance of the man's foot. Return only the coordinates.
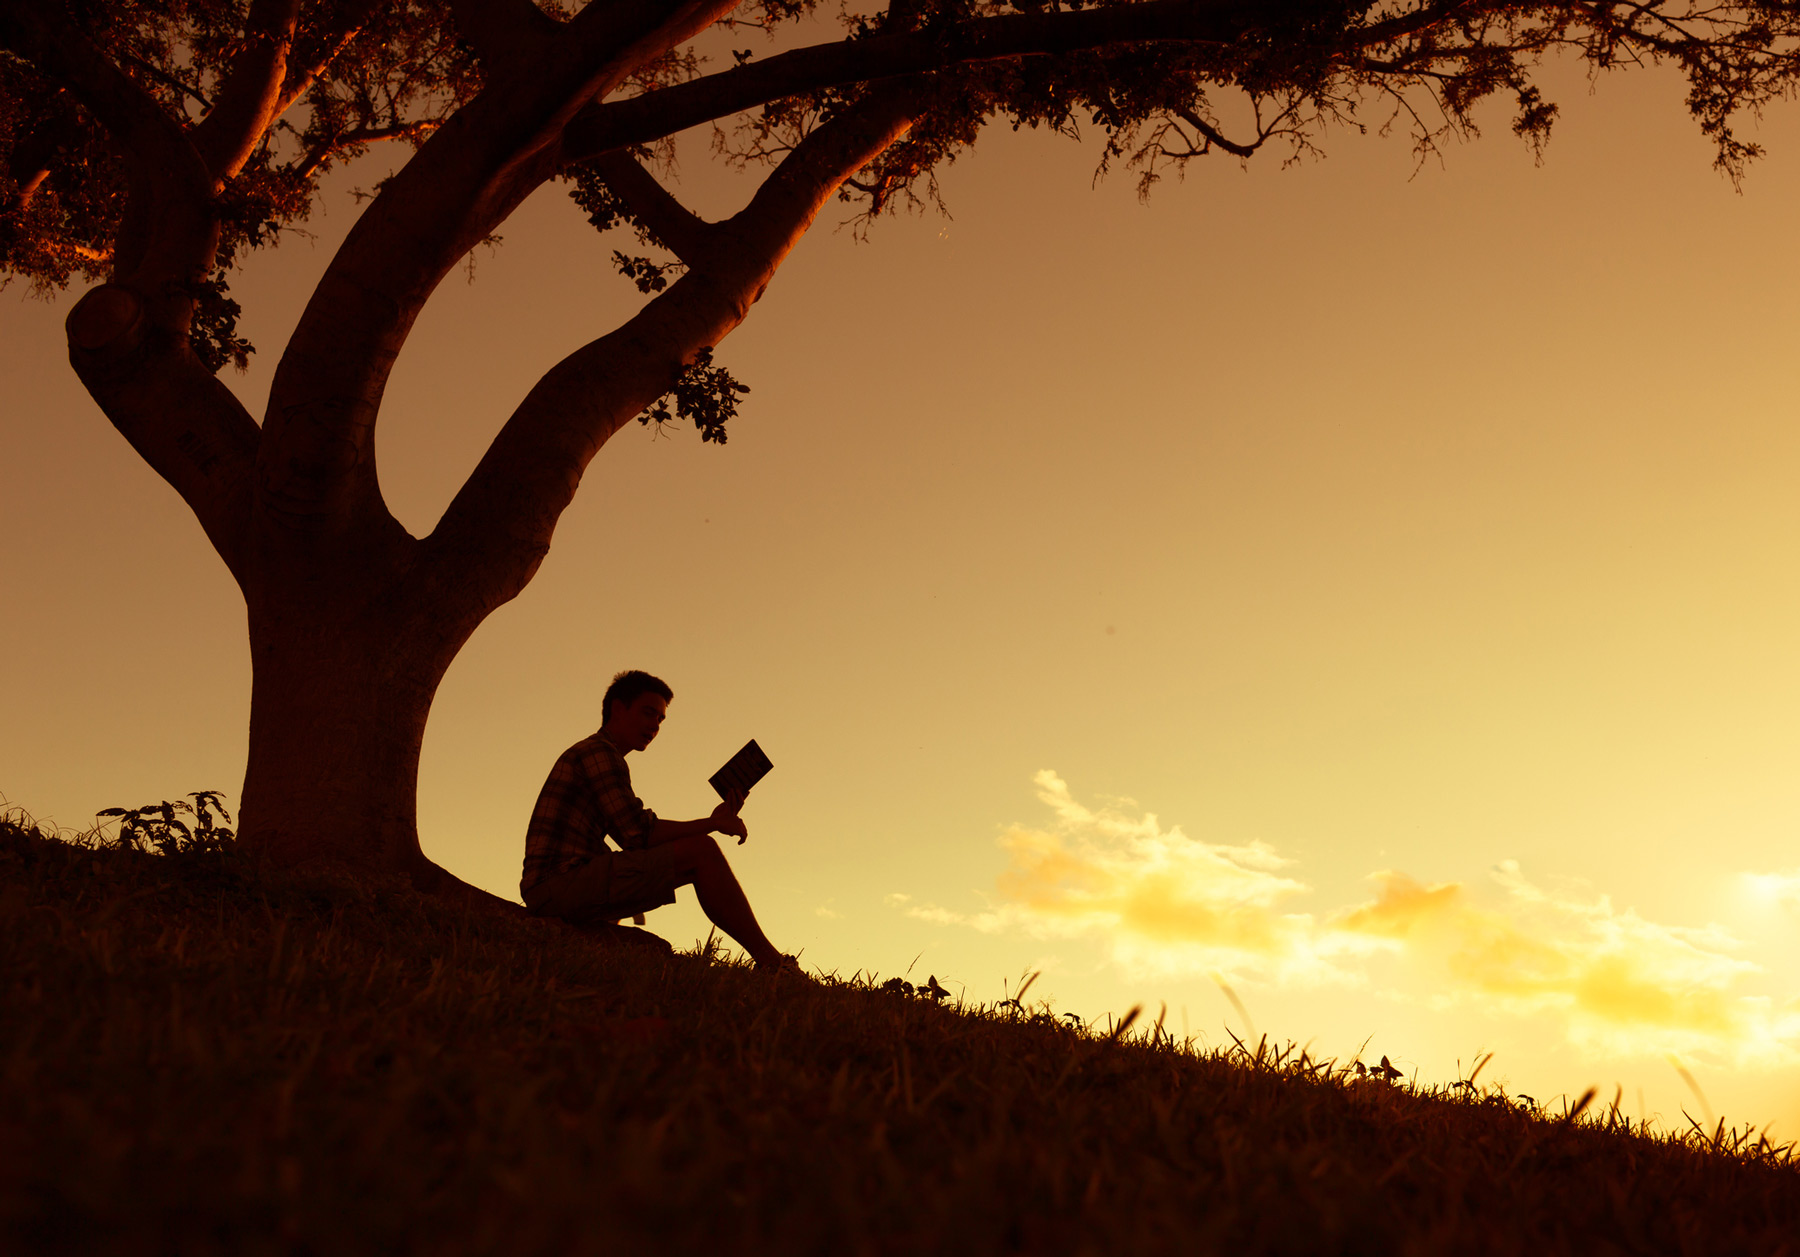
(785, 966)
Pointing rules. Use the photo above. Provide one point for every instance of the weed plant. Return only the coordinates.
(200, 1056)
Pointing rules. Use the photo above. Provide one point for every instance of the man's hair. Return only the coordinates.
(627, 687)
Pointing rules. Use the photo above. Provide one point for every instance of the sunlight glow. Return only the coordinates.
(1781, 889)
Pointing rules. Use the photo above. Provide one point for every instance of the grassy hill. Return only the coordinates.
(200, 1057)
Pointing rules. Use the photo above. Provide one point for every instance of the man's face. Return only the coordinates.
(634, 724)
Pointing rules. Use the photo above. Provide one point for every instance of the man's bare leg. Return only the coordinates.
(721, 898)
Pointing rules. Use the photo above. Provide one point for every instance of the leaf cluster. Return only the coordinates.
(605, 210)
(930, 989)
(706, 394)
(158, 826)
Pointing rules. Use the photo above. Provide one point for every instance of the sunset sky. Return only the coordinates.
(1370, 587)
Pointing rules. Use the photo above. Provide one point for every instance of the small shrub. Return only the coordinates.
(159, 827)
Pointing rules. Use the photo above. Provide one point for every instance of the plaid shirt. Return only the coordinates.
(586, 799)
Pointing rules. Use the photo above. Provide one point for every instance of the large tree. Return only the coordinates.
(151, 144)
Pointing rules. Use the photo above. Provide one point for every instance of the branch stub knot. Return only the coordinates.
(108, 317)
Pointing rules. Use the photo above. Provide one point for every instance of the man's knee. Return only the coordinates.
(697, 850)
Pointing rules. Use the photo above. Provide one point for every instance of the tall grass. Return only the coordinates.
(199, 1056)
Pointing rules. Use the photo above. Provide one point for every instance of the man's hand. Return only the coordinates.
(725, 818)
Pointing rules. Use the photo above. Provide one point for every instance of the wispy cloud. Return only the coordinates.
(1162, 904)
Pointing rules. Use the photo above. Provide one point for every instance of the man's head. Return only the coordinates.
(633, 709)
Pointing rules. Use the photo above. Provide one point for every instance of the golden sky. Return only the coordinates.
(1371, 589)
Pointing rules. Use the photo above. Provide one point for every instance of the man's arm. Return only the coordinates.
(724, 820)
(620, 813)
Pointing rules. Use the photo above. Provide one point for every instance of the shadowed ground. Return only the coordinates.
(198, 1056)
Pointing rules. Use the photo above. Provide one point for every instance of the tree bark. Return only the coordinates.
(348, 647)
(336, 723)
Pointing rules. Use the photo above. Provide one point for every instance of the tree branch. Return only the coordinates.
(640, 119)
(304, 70)
(317, 453)
(316, 465)
(32, 155)
(681, 231)
(174, 84)
(247, 103)
(27, 180)
(175, 413)
(128, 339)
(504, 33)
(362, 135)
(100, 257)
(1213, 136)
(498, 527)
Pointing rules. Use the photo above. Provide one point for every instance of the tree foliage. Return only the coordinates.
(360, 72)
(365, 71)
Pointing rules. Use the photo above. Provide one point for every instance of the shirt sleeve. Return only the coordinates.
(622, 814)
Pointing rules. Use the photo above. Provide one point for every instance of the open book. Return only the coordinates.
(742, 770)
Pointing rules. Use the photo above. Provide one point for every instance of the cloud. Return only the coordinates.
(1162, 904)
(1622, 984)
(1165, 902)
(1781, 888)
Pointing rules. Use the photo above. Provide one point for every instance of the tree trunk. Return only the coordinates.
(336, 723)
(343, 674)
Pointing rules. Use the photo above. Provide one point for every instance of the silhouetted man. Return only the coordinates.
(571, 873)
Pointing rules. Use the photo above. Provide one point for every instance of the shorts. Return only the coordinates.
(609, 887)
